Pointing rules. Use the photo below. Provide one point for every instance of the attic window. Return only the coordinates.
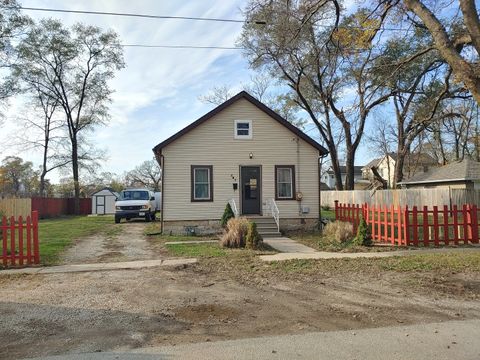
(243, 129)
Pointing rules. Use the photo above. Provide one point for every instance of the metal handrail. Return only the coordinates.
(273, 209)
(233, 205)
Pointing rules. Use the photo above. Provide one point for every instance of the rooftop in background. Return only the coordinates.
(343, 169)
(466, 170)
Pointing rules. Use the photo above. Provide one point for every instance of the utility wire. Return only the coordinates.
(138, 15)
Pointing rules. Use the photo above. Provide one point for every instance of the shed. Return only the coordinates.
(103, 201)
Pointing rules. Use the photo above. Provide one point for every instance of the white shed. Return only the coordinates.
(103, 201)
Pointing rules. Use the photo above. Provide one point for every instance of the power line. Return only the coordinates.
(182, 47)
(138, 15)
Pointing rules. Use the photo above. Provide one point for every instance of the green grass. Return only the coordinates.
(328, 214)
(197, 250)
(56, 234)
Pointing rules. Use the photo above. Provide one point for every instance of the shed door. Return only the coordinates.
(251, 190)
(100, 204)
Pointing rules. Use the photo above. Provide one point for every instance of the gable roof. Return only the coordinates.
(255, 102)
(466, 170)
(343, 169)
(105, 188)
(372, 163)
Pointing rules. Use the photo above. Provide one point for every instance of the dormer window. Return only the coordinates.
(243, 129)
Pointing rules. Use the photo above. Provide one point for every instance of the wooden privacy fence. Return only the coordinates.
(414, 227)
(403, 197)
(19, 244)
(46, 207)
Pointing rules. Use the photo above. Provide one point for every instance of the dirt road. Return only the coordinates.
(119, 310)
(120, 242)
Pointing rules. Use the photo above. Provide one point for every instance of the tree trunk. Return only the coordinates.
(76, 182)
(463, 71)
(350, 170)
(335, 166)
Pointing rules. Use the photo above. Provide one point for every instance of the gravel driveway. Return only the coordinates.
(122, 242)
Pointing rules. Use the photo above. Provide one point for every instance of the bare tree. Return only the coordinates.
(147, 174)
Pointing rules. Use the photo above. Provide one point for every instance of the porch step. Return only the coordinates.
(266, 226)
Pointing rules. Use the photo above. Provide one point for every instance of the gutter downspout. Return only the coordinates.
(161, 160)
(320, 162)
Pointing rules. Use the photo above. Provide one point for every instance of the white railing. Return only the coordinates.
(272, 209)
(233, 205)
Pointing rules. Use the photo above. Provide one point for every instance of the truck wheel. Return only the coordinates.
(148, 217)
(153, 217)
(117, 220)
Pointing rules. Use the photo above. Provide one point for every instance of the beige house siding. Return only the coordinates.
(213, 143)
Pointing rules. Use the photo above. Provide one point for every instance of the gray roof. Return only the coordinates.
(372, 163)
(456, 171)
(343, 169)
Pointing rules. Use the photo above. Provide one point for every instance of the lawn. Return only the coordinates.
(56, 234)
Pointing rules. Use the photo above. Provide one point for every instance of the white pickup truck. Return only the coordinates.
(137, 203)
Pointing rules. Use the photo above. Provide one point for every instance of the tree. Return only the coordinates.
(452, 45)
(17, 177)
(147, 174)
(321, 57)
(73, 67)
(12, 25)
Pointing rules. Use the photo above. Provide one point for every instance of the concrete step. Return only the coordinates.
(270, 234)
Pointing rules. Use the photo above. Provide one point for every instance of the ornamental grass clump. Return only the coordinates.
(253, 239)
(235, 233)
(339, 232)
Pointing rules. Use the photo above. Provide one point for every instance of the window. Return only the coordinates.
(243, 129)
(202, 184)
(284, 182)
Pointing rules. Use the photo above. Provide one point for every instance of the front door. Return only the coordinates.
(251, 190)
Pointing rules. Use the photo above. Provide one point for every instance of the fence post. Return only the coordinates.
(446, 229)
(29, 240)
(20, 240)
(406, 226)
(379, 223)
(12, 241)
(415, 225)
(435, 225)
(474, 224)
(385, 223)
(36, 252)
(336, 209)
(465, 213)
(425, 226)
(455, 224)
(392, 225)
(372, 220)
(399, 225)
(4, 241)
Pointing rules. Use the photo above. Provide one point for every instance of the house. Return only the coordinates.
(457, 175)
(414, 163)
(103, 201)
(244, 153)
(328, 177)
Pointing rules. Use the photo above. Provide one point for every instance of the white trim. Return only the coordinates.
(250, 130)
(195, 183)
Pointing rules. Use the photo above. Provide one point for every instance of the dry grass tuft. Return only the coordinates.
(338, 231)
(235, 233)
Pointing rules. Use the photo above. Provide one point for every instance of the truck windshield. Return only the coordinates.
(134, 195)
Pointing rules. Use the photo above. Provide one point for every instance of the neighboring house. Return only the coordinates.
(244, 153)
(103, 201)
(329, 176)
(414, 163)
(458, 175)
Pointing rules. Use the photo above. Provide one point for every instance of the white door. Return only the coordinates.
(100, 204)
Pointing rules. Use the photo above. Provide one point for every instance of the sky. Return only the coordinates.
(157, 93)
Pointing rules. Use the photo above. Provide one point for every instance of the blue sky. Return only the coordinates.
(157, 93)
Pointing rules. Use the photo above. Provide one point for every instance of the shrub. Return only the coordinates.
(235, 233)
(253, 239)
(326, 207)
(341, 232)
(363, 238)
(227, 215)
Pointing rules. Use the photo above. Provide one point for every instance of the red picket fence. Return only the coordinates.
(19, 244)
(415, 227)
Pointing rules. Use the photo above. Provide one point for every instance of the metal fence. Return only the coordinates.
(403, 197)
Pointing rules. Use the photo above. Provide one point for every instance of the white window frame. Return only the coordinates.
(250, 130)
(209, 182)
